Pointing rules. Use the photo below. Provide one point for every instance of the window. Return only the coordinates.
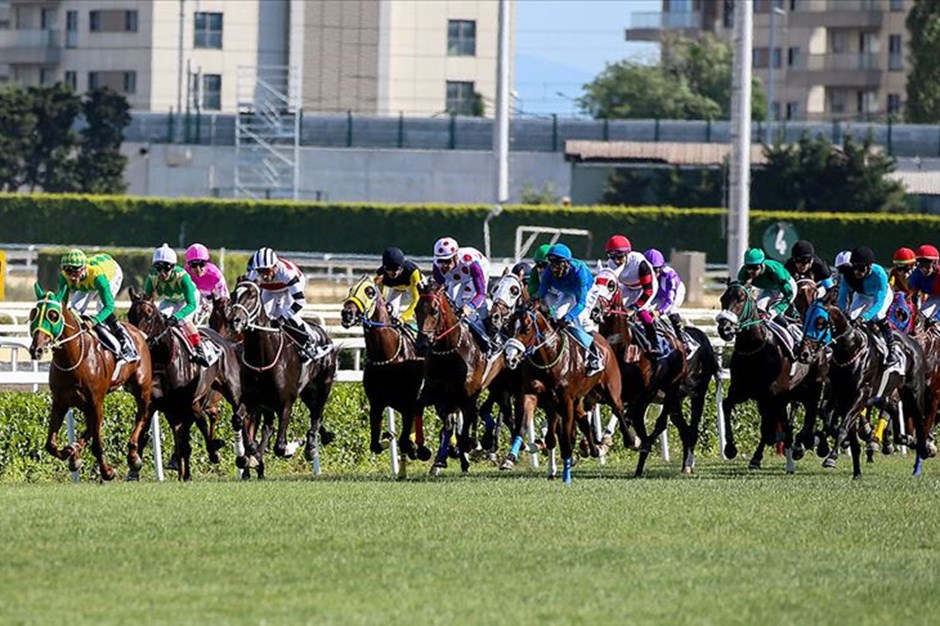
(71, 29)
(71, 80)
(794, 5)
(46, 75)
(894, 103)
(460, 97)
(793, 56)
(895, 54)
(113, 21)
(130, 82)
(211, 92)
(837, 101)
(866, 102)
(838, 42)
(207, 31)
(760, 57)
(777, 57)
(47, 19)
(461, 38)
(793, 110)
(94, 21)
(93, 80)
(130, 21)
(897, 5)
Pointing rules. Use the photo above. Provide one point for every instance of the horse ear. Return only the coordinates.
(133, 293)
(728, 280)
(40, 292)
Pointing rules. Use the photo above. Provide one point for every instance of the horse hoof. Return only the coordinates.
(464, 463)
(424, 453)
(829, 463)
(887, 448)
(107, 474)
(798, 451)
(687, 471)
(132, 477)
(754, 465)
(791, 471)
(172, 465)
(241, 462)
(246, 475)
(553, 476)
(822, 450)
(731, 451)
(435, 470)
(507, 464)
(857, 476)
(253, 462)
(327, 437)
(214, 458)
(376, 448)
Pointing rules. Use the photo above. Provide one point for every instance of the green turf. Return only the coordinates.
(726, 546)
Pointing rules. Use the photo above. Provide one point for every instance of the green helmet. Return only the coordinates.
(541, 253)
(73, 258)
(754, 256)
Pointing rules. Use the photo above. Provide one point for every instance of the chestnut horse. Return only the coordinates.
(553, 377)
(456, 371)
(183, 391)
(274, 376)
(82, 373)
(393, 374)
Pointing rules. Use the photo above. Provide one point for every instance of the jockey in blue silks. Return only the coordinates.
(564, 287)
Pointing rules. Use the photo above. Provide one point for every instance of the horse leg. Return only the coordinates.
(143, 418)
(94, 414)
(465, 442)
(659, 426)
(375, 427)
(856, 449)
(424, 453)
(727, 407)
(638, 417)
(488, 441)
(566, 441)
(443, 448)
(56, 417)
(186, 450)
(314, 397)
(523, 413)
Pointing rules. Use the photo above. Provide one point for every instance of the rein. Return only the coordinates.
(58, 344)
(277, 356)
(369, 324)
(530, 352)
(440, 298)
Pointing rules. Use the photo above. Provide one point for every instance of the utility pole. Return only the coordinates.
(740, 137)
(501, 126)
(179, 61)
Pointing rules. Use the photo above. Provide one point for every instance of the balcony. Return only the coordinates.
(838, 70)
(650, 26)
(865, 14)
(30, 47)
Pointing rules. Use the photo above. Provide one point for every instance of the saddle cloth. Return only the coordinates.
(212, 351)
(790, 336)
(882, 349)
(663, 345)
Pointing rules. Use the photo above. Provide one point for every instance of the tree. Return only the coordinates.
(676, 187)
(50, 163)
(17, 122)
(692, 81)
(923, 81)
(814, 175)
(100, 164)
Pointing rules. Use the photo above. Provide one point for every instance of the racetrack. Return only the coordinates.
(726, 546)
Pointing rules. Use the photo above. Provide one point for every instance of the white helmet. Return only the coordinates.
(844, 258)
(445, 248)
(164, 254)
(264, 258)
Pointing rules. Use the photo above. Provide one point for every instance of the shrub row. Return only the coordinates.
(368, 228)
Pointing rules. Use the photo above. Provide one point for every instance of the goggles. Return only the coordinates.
(163, 267)
(195, 264)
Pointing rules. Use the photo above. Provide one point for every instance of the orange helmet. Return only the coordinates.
(928, 252)
(903, 256)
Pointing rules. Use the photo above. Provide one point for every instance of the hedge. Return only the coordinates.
(134, 264)
(369, 228)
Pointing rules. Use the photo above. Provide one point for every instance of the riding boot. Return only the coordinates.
(650, 329)
(593, 360)
(308, 350)
(128, 350)
(888, 334)
(199, 355)
(676, 321)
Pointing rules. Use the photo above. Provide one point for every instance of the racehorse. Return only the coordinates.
(393, 374)
(82, 373)
(670, 379)
(857, 374)
(553, 377)
(456, 371)
(182, 390)
(274, 376)
(763, 370)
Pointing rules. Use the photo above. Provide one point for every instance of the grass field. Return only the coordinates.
(725, 546)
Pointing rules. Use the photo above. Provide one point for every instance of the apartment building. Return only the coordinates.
(829, 59)
(365, 56)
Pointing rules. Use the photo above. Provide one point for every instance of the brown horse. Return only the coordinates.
(669, 379)
(274, 376)
(553, 377)
(82, 373)
(393, 374)
(183, 391)
(456, 371)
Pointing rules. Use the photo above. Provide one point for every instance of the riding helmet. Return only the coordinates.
(541, 253)
(197, 252)
(618, 243)
(393, 258)
(264, 258)
(754, 256)
(560, 251)
(164, 254)
(445, 248)
(73, 258)
(862, 255)
(903, 256)
(655, 257)
(802, 249)
(843, 259)
(522, 269)
(927, 251)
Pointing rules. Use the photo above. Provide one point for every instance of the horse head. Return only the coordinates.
(218, 317)
(901, 315)
(434, 315)
(46, 322)
(806, 292)
(360, 302)
(507, 294)
(529, 334)
(817, 331)
(246, 307)
(145, 315)
(737, 307)
(604, 295)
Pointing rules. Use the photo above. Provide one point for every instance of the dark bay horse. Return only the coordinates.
(182, 390)
(82, 373)
(553, 377)
(763, 370)
(669, 379)
(456, 371)
(274, 376)
(393, 373)
(857, 375)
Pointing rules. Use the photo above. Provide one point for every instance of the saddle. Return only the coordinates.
(107, 340)
(212, 351)
(663, 345)
(790, 336)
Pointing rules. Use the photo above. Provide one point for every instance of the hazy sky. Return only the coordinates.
(563, 44)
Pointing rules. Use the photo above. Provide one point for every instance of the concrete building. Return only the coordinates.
(365, 56)
(829, 59)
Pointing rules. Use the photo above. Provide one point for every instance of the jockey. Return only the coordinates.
(399, 277)
(179, 298)
(804, 263)
(541, 263)
(864, 294)
(84, 281)
(926, 280)
(207, 277)
(638, 281)
(671, 293)
(464, 272)
(777, 287)
(564, 288)
(282, 295)
(903, 261)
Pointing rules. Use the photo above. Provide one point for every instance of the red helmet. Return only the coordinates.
(903, 256)
(618, 243)
(927, 251)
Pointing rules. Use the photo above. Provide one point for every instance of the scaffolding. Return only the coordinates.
(267, 133)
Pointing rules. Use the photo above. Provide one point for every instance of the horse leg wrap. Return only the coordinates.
(566, 472)
(516, 446)
(879, 429)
